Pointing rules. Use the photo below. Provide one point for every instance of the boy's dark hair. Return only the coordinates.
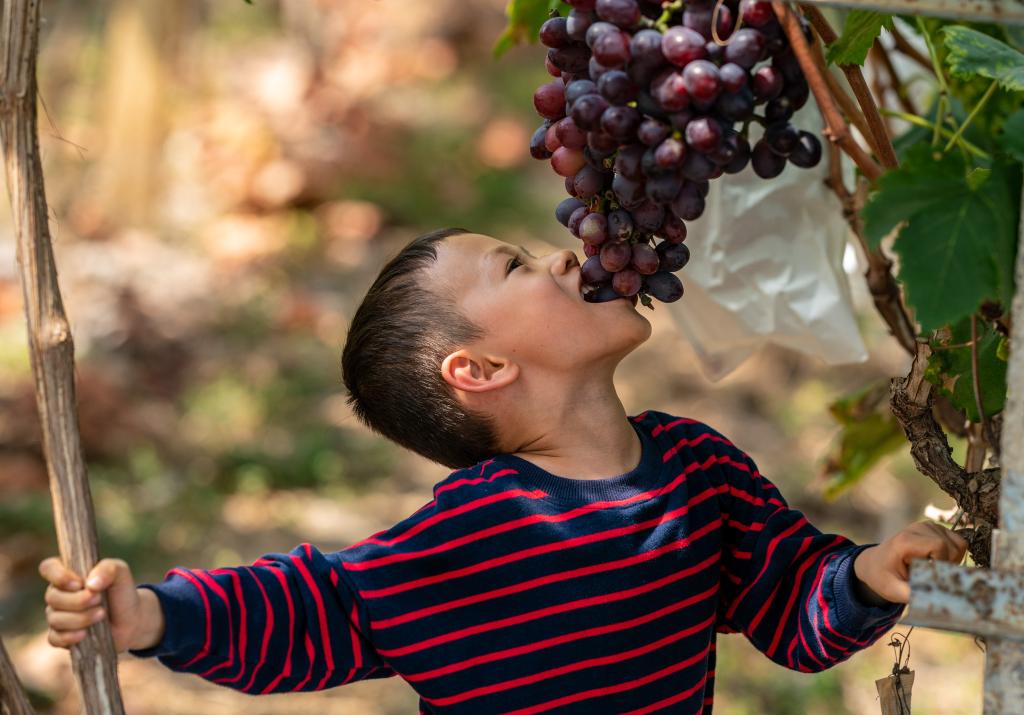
(391, 363)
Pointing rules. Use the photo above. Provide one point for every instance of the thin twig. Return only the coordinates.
(904, 46)
(878, 86)
(974, 112)
(849, 108)
(898, 88)
(836, 129)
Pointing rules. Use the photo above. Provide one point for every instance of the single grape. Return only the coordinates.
(734, 77)
(652, 132)
(597, 30)
(537, 148)
(599, 293)
(549, 100)
(670, 153)
(649, 106)
(594, 229)
(649, 216)
(627, 282)
(587, 111)
(550, 67)
(566, 162)
(611, 49)
(735, 106)
(666, 287)
(672, 256)
(621, 122)
(797, 93)
(787, 63)
(645, 48)
(682, 45)
(766, 83)
(578, 88)
(589, 182)
(779, 109)
(576, 219)
(569, 188)
(697, 167)
(593, 272)
(645, 260)
(627, 161)
(745, 48)
(669, 91)
(590, 251)
(698, 18)
(553, 33)
(673, 230)
(726, 150)
(767, 164)
(615, 255)
(551, 141)
(703, 134)
(807, 152)
(629, 192)
(756, 13)
(566, 209)
(578, 22)
(571, 58)
(688, 203)
(701, 80)
(620, 225)
(703, 187)
(662, 189)
(602, 143)
(596, 70)
(741, 159)
(617, 87)
(624, 13)
(782, 137)
(569, 134)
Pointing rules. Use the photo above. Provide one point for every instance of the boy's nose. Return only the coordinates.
(564, 261)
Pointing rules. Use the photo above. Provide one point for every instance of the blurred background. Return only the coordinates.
(225, 180)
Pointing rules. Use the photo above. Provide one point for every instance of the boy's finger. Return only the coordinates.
(70, 600)
(54, 571)
(72, 620)
(107, 573)
(64, 639)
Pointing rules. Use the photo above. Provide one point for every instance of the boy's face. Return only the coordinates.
(534, 314)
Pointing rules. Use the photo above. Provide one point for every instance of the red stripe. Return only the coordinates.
(558, 640)
(659, 428)
(216, 588)
(544, 580)
(580, 665)
(799, 523)
(268, 627)
(598, 600)
(243, 619)
(467, 482)
(286, 671)
(325, 634)
(206, 608)
(796, 592)
(756, 620)
(688, 442)
(311, 657)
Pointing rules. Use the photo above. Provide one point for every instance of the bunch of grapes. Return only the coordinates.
(647, 106)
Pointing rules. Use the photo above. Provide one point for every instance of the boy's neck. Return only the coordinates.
(581, 433)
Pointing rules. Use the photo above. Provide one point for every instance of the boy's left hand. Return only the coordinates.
(885, 568)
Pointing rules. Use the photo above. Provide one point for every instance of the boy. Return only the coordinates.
(516, 589)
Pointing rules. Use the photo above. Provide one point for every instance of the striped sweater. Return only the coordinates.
(517, 591)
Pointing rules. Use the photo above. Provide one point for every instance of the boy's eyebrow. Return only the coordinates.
(508, 251)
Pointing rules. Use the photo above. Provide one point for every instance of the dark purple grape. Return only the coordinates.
(701, 80)
(611, 49)
(703, 187)
(537, 148)
(649, 106)
(550, 67)
(621, 123)
(742, 157)
(589, 182)
(672, 256)
(735, 106)
(578, 22)
(599, 293)
(787, 63)
(682, 45)
(620, 225)
(615, 255)
(670, 153)
(565, 210)
(601, 143)
(697, 167)
(645, 260)
(726, 150)
(549, 100)
(566, 162)
(627, 161)
(553, 33)
(594, 229)
(587, 111)
(766, 83)
(767, 164)
(645, 48)
(571, 58)
(590, 251)
(662, 189)
(680, 119)
(782, 137)
(663, 286)
(756, 13)
(569, 134)
(669, 91)
(703, 134)
(617, 87)
(596, 70)
(648, 217)
(745, 48)
(597, 30)
(642, 74)
(797, 93)
(673, 230)
(593, 272)
(627, 282)
(628, 192)
(688, 203)
(698, 19)
(734, 77)
(576, 219)
(652, 132)
(578, 88)
(779, 109)
(807, 152)
(716, 52)
(569, 188)
(624, 13)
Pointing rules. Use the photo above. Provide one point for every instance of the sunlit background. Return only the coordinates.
(224, 181)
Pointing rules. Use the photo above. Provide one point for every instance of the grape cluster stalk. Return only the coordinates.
(651, 100)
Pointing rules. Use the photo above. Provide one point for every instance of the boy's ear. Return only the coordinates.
(473, 372)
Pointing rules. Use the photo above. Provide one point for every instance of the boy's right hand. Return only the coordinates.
(136, 619)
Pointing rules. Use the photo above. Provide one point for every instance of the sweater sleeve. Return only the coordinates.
(786, 586)
(288, 622)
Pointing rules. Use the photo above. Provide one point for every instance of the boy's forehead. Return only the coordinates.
(469, 260)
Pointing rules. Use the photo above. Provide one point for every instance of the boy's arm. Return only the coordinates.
(288, 622)
(789, 588)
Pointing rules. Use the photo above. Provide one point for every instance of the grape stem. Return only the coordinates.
(970, 117)
(666, 16)
(836, 129)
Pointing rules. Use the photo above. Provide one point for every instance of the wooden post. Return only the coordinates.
(50, 345)
(13, 700)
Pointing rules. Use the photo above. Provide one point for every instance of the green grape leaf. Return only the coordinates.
(954, 367)
(974, 53)
(956, 243)
(868, 432)
(1013, 135)
(524, 20)
(859, 32)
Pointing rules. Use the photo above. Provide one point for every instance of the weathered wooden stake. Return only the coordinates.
(50, 345)
(13, 700)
